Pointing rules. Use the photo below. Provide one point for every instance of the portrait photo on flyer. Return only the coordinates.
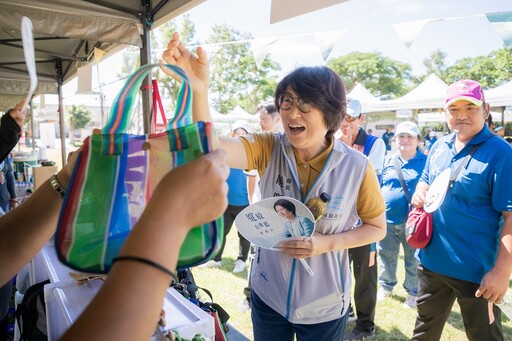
(269, 221)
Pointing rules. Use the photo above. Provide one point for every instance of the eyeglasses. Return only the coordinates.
(349, 118)
(287, 100)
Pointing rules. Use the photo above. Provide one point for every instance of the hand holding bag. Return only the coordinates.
(420, 225)
(115, 174)
(418, 228)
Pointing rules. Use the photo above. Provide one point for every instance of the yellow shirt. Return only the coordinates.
(258, 148)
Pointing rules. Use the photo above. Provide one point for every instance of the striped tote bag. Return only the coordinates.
(115, 175)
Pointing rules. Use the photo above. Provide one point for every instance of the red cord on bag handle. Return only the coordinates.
(157, 105)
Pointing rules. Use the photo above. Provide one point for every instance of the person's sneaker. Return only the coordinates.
(210, 264)
(239, 266)
(244, 305)
(356, 334)
(382, 294)
(410, 302)
(351, 316)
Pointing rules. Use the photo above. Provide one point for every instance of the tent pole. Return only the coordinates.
(145, 57)
(32, 126)
(58, 69)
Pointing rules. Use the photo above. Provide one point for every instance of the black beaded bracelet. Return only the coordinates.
(148, 262)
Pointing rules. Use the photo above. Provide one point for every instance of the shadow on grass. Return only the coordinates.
(394, 333)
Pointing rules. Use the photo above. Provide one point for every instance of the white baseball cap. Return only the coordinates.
(242, 124)
(354, 108)
(407, 127)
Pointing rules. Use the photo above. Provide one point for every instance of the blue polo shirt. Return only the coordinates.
(467, 226)
(392, 190)
(237, 193)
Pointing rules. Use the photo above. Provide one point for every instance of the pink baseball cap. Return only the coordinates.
(464, 89)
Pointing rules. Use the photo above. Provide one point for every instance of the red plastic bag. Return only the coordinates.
(419, 228)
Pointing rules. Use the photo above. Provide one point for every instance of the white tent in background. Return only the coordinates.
(429, 94)
(224, 122)
(218, 117)
(240, 114)
(363, 95)
(500, 96)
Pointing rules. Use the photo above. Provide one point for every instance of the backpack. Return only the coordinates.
(31, 314)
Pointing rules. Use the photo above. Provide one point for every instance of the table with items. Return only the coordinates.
(65, 299)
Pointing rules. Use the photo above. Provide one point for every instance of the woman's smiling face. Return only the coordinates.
(305, 130)
(283, 212)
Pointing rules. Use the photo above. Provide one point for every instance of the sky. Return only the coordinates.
(465, 32)
(462, 30)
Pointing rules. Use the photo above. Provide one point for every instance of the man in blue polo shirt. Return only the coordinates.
(469, 257)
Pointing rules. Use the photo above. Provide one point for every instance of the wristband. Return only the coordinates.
(148, 262)
(57, 187)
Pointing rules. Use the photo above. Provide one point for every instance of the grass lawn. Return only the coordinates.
(393, 321)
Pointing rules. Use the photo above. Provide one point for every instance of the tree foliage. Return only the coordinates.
(235, 77)
(490, 71)
(436, 63)
(79, 117)
(382, 76)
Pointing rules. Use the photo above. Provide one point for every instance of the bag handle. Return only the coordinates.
(157, 105)
(121, 111)
(401, 178)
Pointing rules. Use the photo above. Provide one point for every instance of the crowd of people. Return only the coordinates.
(284, 300)
(313, 142)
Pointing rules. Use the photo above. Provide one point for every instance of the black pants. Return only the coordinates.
(244, 245)
(365, 289)
(436, 296)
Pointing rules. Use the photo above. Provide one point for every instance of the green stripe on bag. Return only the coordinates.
(91, 227)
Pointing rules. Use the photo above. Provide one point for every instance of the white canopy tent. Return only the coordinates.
(66, 33)
(500, 96)
(428, 94)
(240, 114)
(364, 96)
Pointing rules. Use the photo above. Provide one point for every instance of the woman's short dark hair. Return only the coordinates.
(287, 204)
(320, 86)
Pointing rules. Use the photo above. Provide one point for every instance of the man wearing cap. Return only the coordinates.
(469, 257)
(363, 258)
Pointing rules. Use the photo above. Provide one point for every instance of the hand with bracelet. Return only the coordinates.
(138, 280)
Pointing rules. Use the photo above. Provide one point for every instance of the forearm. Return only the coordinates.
(132, 296)
(26, 229)
(131, 299)
(201, 105)
(251, 185)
